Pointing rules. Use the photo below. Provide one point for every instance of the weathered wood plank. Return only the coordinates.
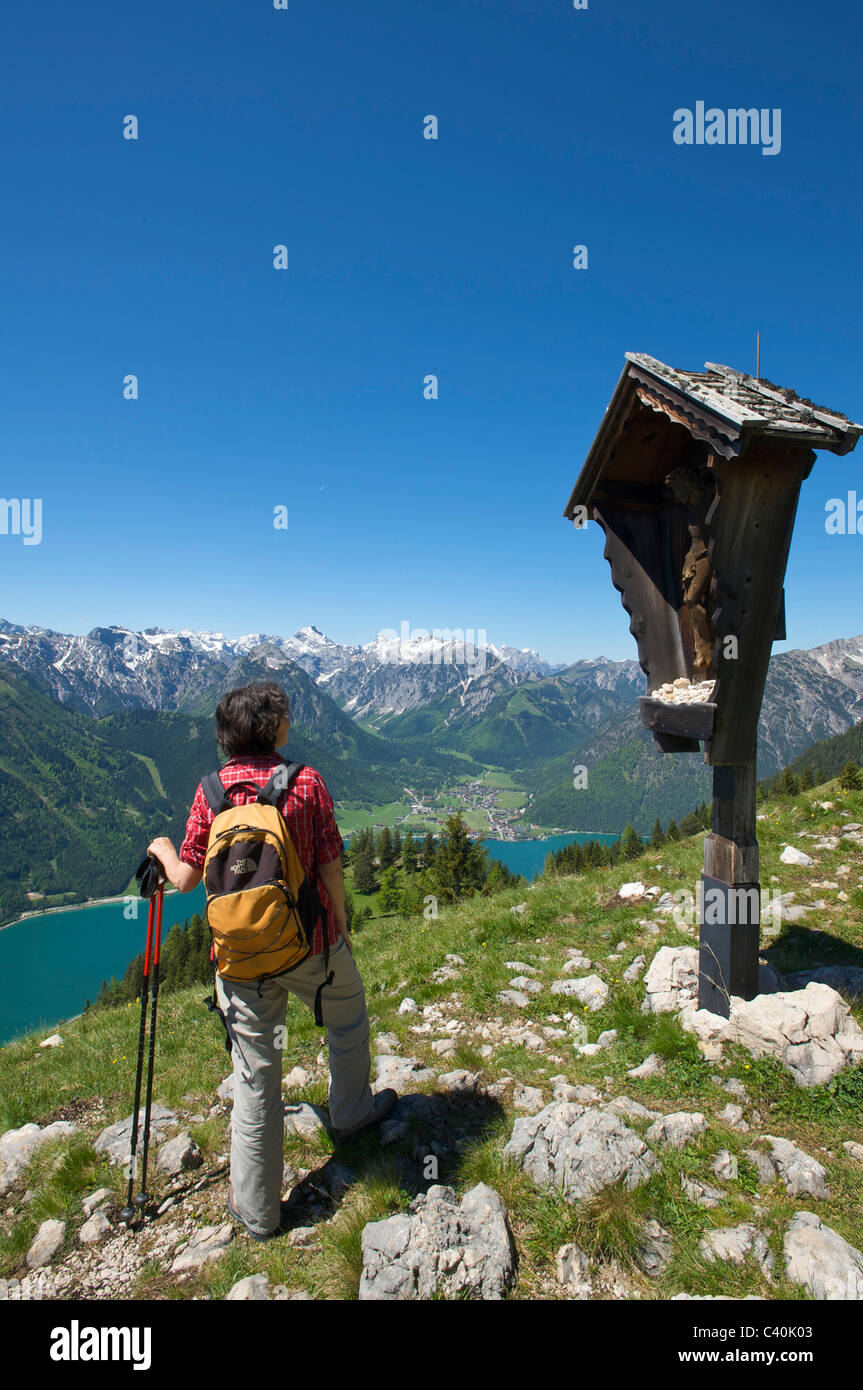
(750, 525)
(686, 721)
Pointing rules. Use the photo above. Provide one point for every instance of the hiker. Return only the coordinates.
(250, 724)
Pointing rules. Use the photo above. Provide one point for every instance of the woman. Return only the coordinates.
(250, 724)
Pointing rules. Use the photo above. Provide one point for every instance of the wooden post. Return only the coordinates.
(729, 916)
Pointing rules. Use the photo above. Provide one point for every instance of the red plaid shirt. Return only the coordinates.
(306, 806)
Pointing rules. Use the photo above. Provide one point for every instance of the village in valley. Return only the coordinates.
(480, 806)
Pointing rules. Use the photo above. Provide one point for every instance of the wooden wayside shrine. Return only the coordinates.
(694, 478)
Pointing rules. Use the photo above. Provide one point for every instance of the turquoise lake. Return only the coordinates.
(52, 963)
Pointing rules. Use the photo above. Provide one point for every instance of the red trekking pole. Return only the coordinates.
(150, 880)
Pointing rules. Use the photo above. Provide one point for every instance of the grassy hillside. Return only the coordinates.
(334, 1192)
(628, 780)
(828, 757)
(76, 809)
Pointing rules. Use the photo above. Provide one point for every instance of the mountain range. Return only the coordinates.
(80, 715)
(117, 668)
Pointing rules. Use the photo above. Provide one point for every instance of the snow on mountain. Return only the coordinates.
(117, 668)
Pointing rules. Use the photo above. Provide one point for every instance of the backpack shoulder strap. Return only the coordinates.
(280, 782)
(217, 798)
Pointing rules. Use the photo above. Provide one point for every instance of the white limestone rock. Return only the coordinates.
(207, 1244)
(653, 1065)
(96, 1228)
(630, 1109)
(811, 1031)
(525, 984)
(635, 969)
(579, 1151)
(571, 1266)
(790, 855)
(697, 1190)
(802, 1174)
(736, 1243)
(305, 1120)
(17, 1147)
(96, 1199)
(116, 1140)
(400, 1073)
(592, 991)
(515, 997)
(671, 981)
(459, 1083)
(820, 1259)
(732, 1115)
(677, 1129)
(179, 1155)
(46, 1243)
(440, 1246)
(254, 1288)
(655, 1248)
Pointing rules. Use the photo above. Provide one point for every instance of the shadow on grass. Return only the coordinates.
(426, 1135)
(807, 955)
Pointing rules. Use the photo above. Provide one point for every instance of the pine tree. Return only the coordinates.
(386, 855)
(390, 891)
(658, 837)
(429, 850)
(411, 898)
(460, 866)
(806, 783)
(672, 832)
(631, 844)
(409, 853)
(364, 871)
(850, 779)
(397, 845)
(788, 783)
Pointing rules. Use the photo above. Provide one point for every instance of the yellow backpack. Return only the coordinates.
(261, 907)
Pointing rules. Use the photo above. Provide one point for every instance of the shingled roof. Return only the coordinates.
(723, 407)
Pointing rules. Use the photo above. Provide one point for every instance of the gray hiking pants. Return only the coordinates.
(257, 1125)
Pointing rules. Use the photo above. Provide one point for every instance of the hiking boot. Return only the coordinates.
(256, 1235)
(382, 1104)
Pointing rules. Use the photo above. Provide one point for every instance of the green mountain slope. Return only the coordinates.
(76, 809)
(628, 780)
(524, 724)
(831, 754)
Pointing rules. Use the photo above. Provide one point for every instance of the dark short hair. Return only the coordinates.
(247, 720)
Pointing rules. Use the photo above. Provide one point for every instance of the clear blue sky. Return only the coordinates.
(304, 387)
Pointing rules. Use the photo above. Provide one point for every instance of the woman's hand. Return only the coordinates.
(183, 876)
(163, 850)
